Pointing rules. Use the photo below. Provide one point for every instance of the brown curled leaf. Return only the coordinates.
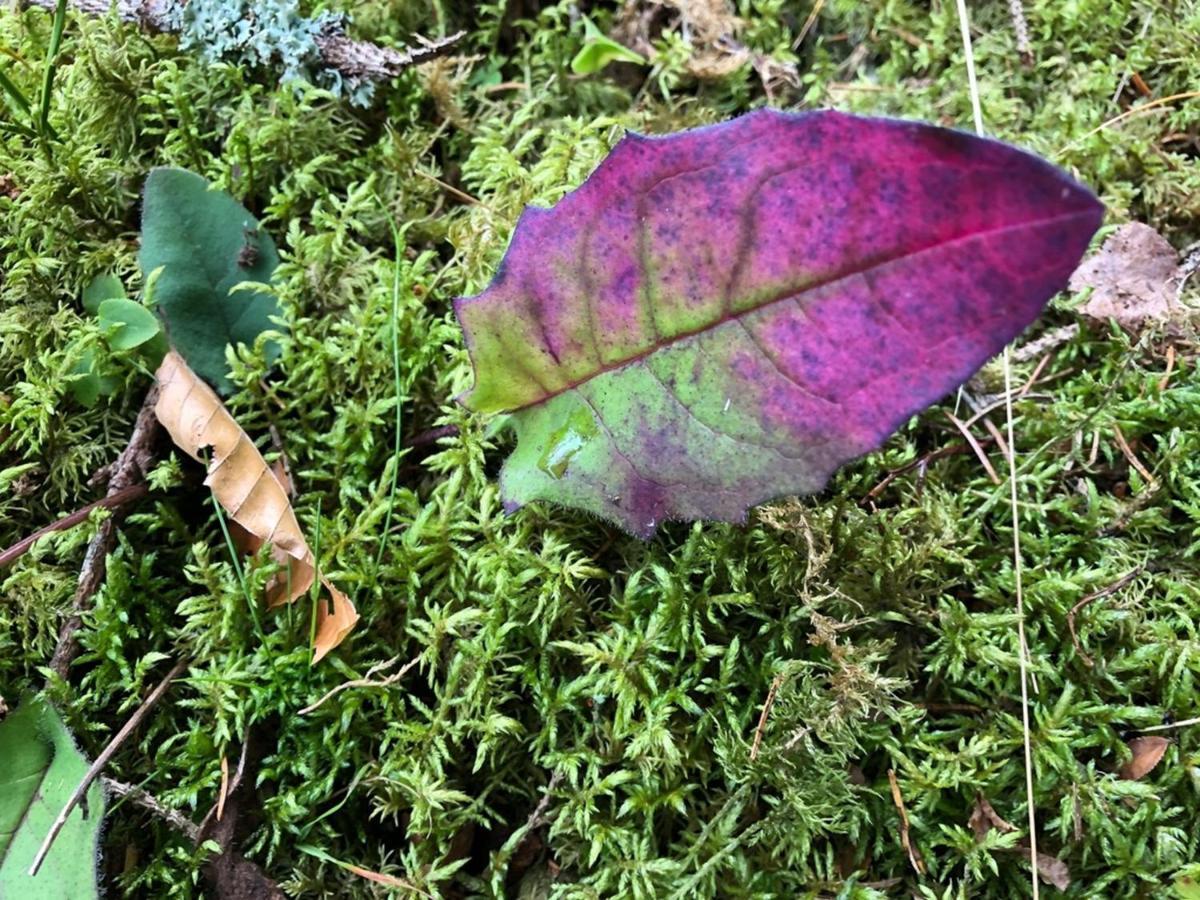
(249, 492)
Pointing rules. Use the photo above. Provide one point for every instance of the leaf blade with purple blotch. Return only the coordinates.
(726, 315)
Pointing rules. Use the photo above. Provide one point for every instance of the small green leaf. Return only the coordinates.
(41, 769)
(126, 323)
(599, 50)
(207, 243)
(87, 384)
(99, 289)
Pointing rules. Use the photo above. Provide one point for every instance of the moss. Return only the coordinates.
(623, 681)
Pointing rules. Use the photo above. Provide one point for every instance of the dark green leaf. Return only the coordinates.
(207, 243)
(99, 289)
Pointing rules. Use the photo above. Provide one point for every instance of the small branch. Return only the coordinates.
(918, 463)
(112, 501)
(366, 682)
(537, 818)
(762, 718)
(370, 62)
(914, 855)
(1091, 598)
(129, 468)
(975, 445)
(149, 802)
(228, 788)
(1170, 725)
(433, 434)
(102, 760)
(357, 61)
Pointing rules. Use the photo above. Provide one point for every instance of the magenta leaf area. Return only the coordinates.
(726, 315)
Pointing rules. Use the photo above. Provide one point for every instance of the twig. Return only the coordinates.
(228, 787)
(766, 711)
(914, 855)
(975, 446)
(102, 760)
(1165, 381)
(1092, 598)
(1049, 341)
(1132, 111)
(808, 24)
(366, 681)
(450, 189)
(919, 462)
(148, 801)
(112, 501)
(538, 817)
(1131, 458)
(1116, 97)
(357, 61)
(1170, 725)
(130, 466)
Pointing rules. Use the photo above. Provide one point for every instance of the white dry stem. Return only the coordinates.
(977, 111)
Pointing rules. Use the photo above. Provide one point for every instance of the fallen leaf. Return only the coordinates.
(1131, 277)
(726, 315)
(1147, 752)
(249, 491)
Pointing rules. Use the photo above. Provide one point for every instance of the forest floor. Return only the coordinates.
(583, 715)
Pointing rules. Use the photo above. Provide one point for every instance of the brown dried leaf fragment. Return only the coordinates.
(248, 490)
(1053, 870)
(1147, 752)
(984, 819)
(1132, 277)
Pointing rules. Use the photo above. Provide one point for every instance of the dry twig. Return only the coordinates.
(112, 501)
(766, 711)
(102, 760)
(366, 681)
(130, 467)
(1092, 598)
(914, 855)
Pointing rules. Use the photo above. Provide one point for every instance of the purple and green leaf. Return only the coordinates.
(727, 315)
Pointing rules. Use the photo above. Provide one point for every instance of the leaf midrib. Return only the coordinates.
(727, 317)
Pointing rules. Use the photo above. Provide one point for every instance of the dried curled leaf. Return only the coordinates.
(248, 490)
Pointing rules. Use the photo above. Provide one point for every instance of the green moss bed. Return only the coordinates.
(581, 717)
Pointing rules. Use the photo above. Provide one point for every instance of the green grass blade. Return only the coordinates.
(16, 99)
(51, 66)
(396, 449)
